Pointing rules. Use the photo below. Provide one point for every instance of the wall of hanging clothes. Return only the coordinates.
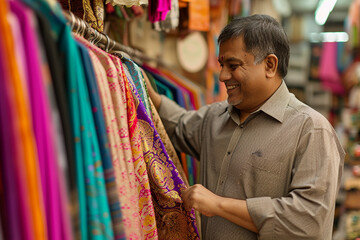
(83, 153)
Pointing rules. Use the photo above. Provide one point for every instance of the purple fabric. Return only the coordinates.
(49, 172)
(159, 157)
(17, 224)
(18, 216)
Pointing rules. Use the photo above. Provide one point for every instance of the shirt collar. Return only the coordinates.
(275, 106)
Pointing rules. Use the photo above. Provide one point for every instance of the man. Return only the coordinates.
(270, 165)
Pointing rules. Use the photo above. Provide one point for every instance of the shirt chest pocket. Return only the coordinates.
(263, 177)
(263, 165)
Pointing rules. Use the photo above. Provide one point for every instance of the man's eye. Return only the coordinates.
(233, 66)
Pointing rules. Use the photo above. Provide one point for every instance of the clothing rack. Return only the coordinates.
(82, 28)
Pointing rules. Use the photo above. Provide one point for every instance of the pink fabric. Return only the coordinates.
(157, 10)
(147, 213)
(43, 128)
(124, 173)
(328, 71)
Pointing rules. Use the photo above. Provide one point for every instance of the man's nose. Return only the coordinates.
(224, 75)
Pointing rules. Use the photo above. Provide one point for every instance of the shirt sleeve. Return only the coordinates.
(307, 211)
(183, 127)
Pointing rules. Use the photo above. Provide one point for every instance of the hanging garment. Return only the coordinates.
(181, 96)
(111, 186)
(172, 19)
(328, 71)
(23, 134)
(138, 80)
(91, 11)
(193, 91)
(165, 139)
(12, 185)
(42, 124)
(173, 222)
(59, 33)
(147, 214)
(18, 224)
(124, 174)
(167, 144)
(344, 56)
(60, 113)
(157, 10)
(128, 3)
(94, 210)
(177, 93)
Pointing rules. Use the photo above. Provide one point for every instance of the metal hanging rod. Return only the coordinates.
(92, 35)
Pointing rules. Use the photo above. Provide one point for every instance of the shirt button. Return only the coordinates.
(228, 153)
(241, 125)
(221, 182)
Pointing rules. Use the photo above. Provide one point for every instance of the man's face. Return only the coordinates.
(246, 83)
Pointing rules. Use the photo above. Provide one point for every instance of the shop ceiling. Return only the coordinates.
(336, 17)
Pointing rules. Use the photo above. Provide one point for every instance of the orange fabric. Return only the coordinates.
(28, 156)
(199, 15)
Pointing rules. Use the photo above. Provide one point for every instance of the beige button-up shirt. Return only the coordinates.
(285, 160)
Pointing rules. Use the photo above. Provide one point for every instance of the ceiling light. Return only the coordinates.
(329, 37)
(323, 10)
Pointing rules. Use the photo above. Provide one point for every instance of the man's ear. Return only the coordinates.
(271, 63)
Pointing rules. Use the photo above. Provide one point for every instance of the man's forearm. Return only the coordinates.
(210, 204)
(237, 212)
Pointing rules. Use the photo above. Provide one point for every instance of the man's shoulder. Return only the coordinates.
(217, 108)
(300, 109)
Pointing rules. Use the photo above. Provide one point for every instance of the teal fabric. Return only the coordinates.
(95, 220)
(162, 89)
(109, 174)
(138, 80)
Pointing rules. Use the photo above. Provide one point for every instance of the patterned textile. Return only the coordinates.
(92, 11)
(109, 174)
(167, 143)
(173, 222)
(138, 80)
(127, 3)
(147, 213)
(164, 137)
(106, 77)
(94, 208)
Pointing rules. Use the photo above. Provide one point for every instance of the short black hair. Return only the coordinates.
(262, 35)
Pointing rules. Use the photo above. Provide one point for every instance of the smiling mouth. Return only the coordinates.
(230, 87)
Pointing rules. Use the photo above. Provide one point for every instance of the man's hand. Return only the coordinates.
(201, 199)
(210, 204)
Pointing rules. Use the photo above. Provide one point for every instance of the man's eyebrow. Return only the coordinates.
(221, 59)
